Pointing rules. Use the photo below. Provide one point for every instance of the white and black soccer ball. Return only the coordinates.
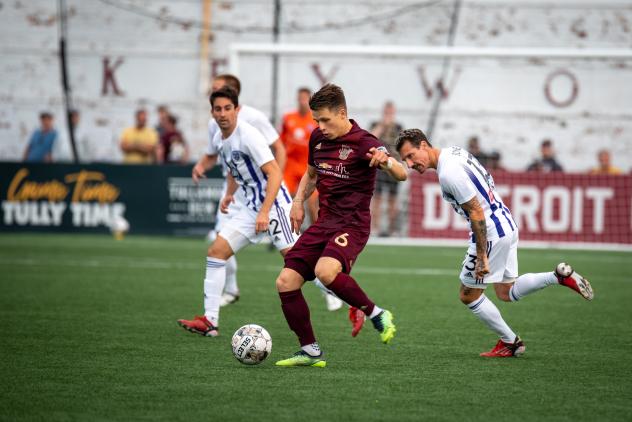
(252, 344)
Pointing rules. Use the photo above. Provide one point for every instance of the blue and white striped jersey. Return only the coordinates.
(250, 115)
(243, 153)
(462, 178)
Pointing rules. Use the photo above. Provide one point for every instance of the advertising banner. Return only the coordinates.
(91, 198)
(555, 207)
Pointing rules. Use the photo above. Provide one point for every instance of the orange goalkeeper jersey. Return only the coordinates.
(295, 132)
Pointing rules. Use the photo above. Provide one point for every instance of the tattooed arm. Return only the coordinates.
(479, 228)
(304, 191)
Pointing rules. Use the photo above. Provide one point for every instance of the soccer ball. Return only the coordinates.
(252, 344)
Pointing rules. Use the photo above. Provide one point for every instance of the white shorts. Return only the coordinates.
(503, 262)
(238, 228)
(220, 217)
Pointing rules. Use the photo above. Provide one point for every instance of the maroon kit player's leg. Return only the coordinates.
(347, 289)
(296, 313)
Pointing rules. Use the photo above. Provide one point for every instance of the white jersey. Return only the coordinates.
(251, 116)
(243, 153)
(462, 178)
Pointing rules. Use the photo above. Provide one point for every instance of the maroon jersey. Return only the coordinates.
(345, 182)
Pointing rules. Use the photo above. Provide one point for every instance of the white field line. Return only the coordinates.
(117, 262)
(270, 270)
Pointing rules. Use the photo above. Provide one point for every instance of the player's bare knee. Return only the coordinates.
(326, 273)
(283, 283)
(502, 291)
(288, 281)
(469, 295)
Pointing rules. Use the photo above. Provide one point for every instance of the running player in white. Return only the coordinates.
(255, 186)
(259, 120)
(492, 257)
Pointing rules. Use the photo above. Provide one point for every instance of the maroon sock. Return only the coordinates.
(346, 288)
(297, 315)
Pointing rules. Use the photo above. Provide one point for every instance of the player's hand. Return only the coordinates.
(225, 203)
(297, 215)
(482, 267)
(262, 222)
(377, 157)
(198, 173)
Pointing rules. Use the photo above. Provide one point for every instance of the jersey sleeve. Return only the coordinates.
(257, 147)
(263, 125)
(371, 141)
(456, 182)
(212, 149)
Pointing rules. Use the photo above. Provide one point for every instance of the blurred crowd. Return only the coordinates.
(163, 143)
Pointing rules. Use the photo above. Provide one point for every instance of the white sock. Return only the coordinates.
(231, 276)
(376, 311)
(213, 286)
(312, 349)
(487, 312)
(323, 288)
(529, 283)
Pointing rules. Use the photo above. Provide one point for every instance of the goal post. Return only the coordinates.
(510, 98)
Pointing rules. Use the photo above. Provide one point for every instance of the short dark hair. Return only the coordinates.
(226, 92)
(329, 96)
(172, 119)
(231, 80)
(547, 143)
(46, 115)
(305, 90)
(414, 136)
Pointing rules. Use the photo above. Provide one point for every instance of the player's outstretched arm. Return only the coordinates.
(204, 164)
(479, 228)
(391, 166)
(273, 173)
(305, 189)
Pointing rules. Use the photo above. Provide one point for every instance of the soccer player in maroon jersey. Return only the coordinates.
(342, 164)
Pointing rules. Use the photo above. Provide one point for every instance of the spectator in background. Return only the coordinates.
(603, 156)
(386, 130)
(139, 143)
(85, 149)
(172, 147)
(546, 163)
(163, 114)
(493, 161)
(296, 128)
(474, 148)
(40, 146)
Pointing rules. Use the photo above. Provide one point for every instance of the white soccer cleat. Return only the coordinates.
(333, 303)
(228, 299)
(568, 277)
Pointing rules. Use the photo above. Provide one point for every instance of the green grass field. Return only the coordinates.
(88, 332)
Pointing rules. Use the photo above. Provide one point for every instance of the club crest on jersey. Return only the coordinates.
(344, 152)
(236, 155)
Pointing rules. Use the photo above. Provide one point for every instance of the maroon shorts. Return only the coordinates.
(343, 244)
